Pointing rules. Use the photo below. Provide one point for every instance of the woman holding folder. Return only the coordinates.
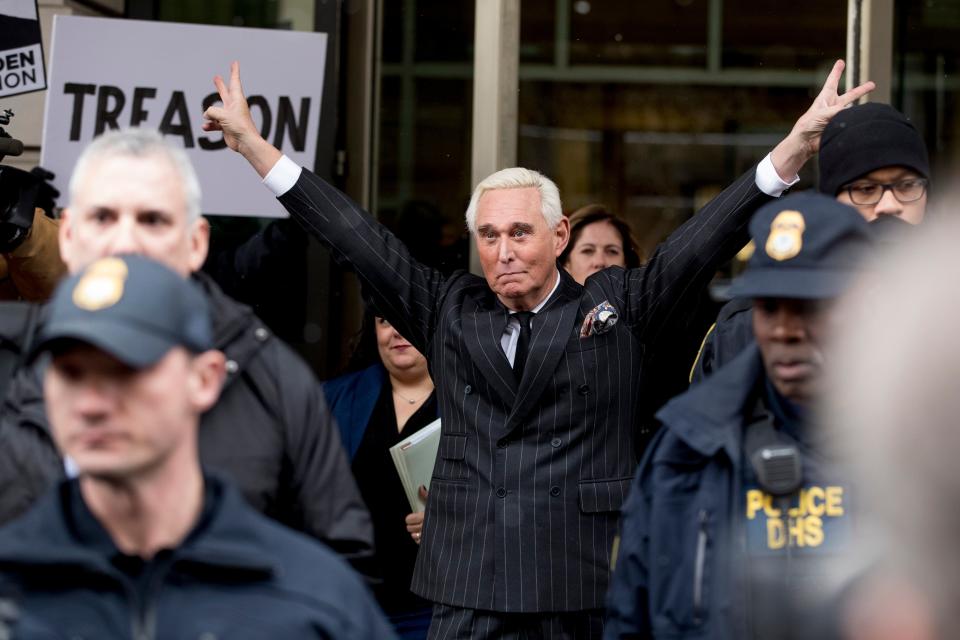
(376, 408)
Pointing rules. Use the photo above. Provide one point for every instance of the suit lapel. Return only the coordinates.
(552, 328)
(483, 326)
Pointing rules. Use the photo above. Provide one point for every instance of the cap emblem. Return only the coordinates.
(786, 235)
(101, 285)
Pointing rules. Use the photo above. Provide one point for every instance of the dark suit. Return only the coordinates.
(530, 477)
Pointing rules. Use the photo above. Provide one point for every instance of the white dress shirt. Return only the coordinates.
(511, 334)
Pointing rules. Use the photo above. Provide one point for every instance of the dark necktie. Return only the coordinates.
(523, 342)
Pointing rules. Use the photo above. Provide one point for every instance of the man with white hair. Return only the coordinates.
(270, 431)
(537, 379)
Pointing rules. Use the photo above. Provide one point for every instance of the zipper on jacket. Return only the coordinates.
(698, 567)
(141, 613)
(144, 612)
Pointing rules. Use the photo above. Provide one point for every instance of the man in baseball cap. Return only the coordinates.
(736, 493)
(142, 534)
(136, 315)
(270, 431)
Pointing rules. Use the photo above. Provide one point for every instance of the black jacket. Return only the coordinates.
(270, 433)
(237, 575)
(726, 339)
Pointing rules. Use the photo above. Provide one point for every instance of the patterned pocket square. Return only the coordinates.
(600, 320)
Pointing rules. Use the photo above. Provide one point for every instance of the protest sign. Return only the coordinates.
(110, 73)
(21, 50)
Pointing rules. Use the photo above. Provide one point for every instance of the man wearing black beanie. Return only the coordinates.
(873, 158)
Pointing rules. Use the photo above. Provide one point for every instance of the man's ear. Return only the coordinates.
(562, 232)
(199, 239)
(65, 238)
(208, 372)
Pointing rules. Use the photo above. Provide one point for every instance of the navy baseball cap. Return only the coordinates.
(806, 246)
(132, 308)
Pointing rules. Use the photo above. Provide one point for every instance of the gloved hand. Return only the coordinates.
(18, 195)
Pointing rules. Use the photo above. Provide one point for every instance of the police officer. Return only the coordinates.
(736, 510)
(143, 540)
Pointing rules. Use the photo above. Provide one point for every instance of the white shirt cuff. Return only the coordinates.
(768, 180)
(282, 176)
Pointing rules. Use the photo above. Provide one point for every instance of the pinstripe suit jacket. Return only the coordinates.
(529, 479)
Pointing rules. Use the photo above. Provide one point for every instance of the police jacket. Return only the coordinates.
(674, 572)
(237, 575)
(270, 433)
(730, 335)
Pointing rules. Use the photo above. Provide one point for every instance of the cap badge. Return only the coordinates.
(101, 285)
(786, 235)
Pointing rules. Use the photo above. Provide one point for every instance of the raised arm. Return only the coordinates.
(406, 292)
(686, 261)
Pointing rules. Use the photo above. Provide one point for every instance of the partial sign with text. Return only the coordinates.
(21, 49)
(109, 73)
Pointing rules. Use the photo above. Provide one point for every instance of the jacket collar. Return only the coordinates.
(237, 331)
(230, 318)
(226, 542)
(709, 416)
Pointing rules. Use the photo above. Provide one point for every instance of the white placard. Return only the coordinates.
(109, 73)
(21, 49)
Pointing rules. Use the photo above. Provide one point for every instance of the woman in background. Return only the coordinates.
(377, 407)
(598, 239)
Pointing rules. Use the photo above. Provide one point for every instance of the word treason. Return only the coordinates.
(112, 101)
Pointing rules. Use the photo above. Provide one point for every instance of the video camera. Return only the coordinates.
(21, 192)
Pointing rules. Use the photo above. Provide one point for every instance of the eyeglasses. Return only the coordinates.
(906, 190)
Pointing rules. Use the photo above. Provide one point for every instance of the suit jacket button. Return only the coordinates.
(555, 491)
(501, 444)
(501, 492)
(556, 442)
(583, 389)
(468, 390)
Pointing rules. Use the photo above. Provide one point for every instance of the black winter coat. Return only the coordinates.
(237, 575)
(270, 433)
